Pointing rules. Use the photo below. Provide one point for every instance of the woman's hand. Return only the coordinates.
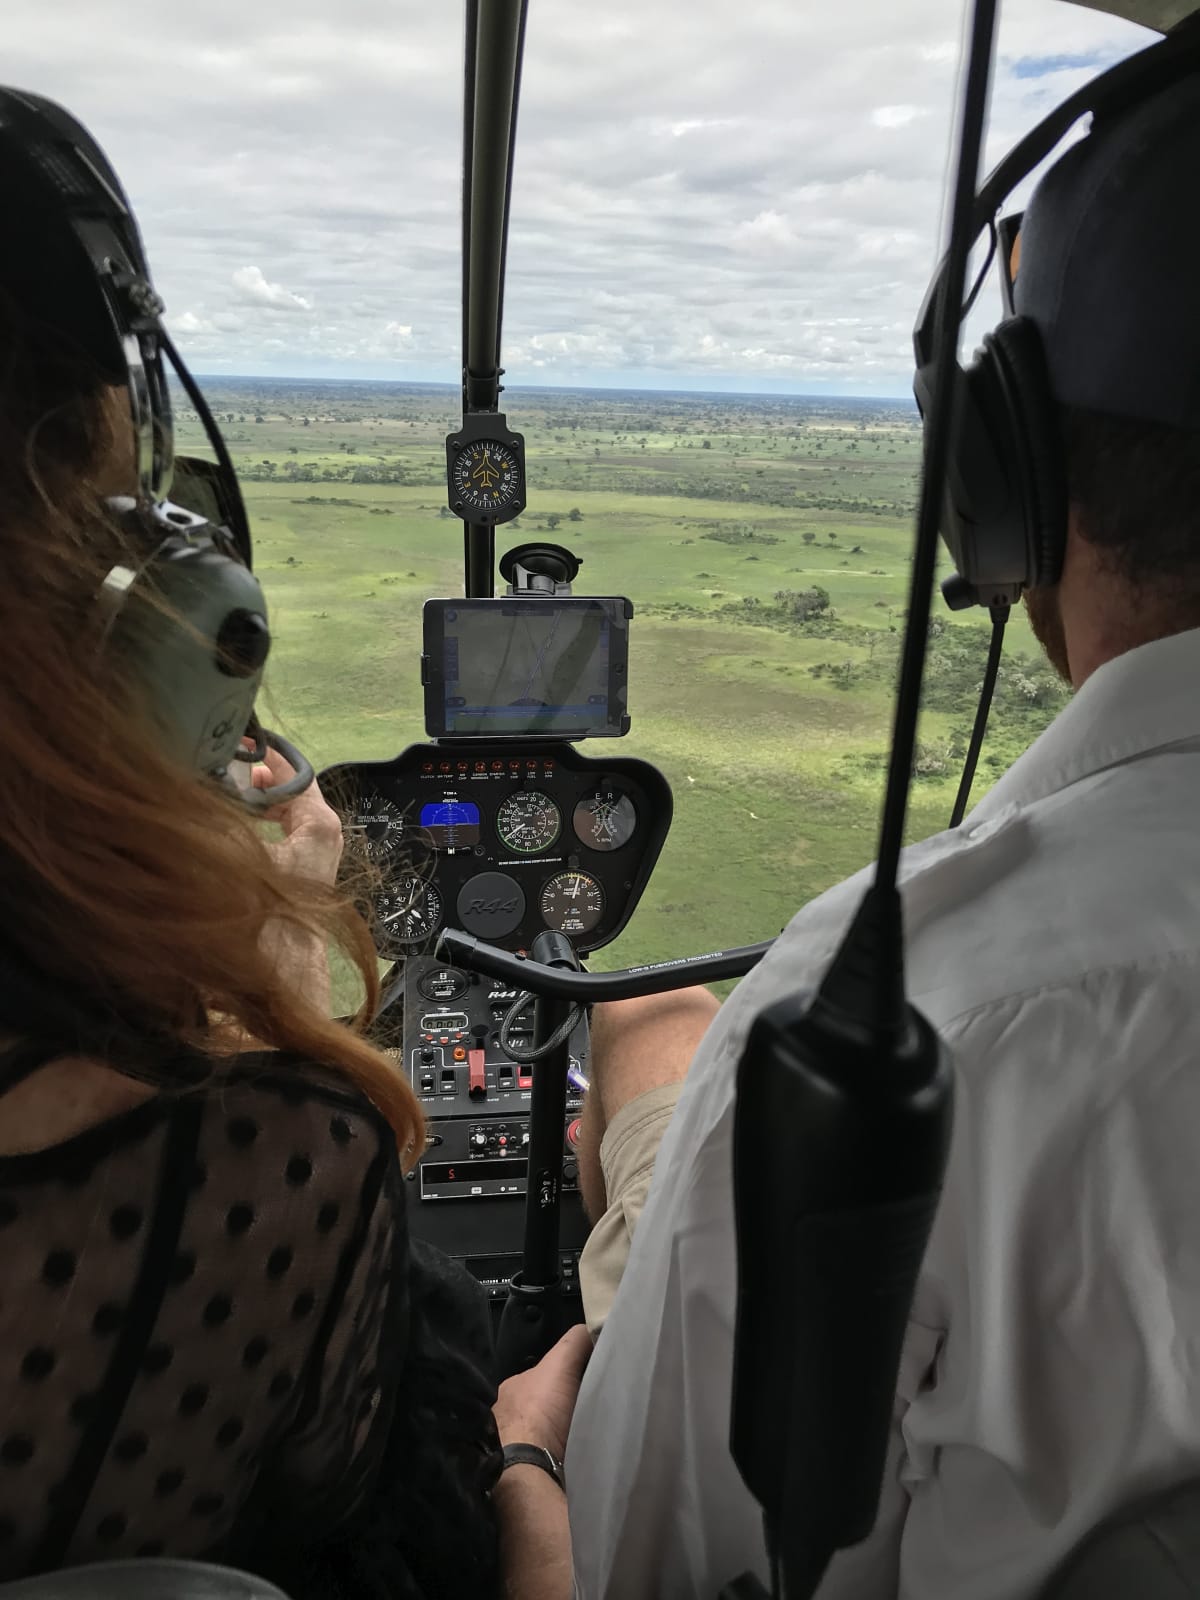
(536, 1406)
(312, 843)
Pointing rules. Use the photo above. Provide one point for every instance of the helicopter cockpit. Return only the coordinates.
(505, 851)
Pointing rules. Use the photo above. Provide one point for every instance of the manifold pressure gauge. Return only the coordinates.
(485, 469)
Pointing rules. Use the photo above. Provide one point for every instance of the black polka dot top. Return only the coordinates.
(217, 1342)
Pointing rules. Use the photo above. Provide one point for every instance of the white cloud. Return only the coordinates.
(897, 116)
(252, 286)
(691, 204)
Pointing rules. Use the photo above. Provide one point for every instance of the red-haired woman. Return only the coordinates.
(216, 1337)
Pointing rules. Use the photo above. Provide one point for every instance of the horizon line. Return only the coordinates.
(558, 388)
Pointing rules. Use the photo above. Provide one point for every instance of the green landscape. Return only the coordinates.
(765, 544)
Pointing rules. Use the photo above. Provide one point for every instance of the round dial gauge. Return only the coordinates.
(379, 823)
(486, 477)
(572, 902)
(406, 912)
(605, 819)
(528, 821)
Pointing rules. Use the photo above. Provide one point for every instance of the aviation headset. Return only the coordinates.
(1004, 515)
(199, 649)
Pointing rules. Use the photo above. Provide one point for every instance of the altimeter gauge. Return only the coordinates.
(407, 912)
(485, 469)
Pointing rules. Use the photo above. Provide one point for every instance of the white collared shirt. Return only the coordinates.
(1051, 1370)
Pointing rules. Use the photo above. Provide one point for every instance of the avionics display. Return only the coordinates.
(451, 824)
(556, 668)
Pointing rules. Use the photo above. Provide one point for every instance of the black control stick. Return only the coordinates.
(533, 1314)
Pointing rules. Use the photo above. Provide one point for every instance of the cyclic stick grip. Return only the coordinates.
(530, 1322)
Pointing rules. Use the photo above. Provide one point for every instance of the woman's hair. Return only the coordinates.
(126, 880)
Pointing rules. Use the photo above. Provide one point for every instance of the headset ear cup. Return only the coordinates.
(1035, 445)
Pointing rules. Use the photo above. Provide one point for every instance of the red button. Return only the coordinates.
(477, 1073)
(573, 1132)
(524, 1077)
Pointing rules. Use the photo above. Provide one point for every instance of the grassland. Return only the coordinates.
(725, 520)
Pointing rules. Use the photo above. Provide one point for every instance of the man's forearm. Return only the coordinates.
(535, 1539)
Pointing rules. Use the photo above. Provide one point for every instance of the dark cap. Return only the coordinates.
(1110, 263)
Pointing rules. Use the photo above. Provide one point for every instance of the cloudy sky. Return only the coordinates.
(709, 194)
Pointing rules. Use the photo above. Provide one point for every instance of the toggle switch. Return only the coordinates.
(478, 1074)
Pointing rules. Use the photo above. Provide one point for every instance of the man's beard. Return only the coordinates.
(1045, 618)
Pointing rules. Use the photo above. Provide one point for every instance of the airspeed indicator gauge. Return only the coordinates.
(528, 821)
(485, 469)
(572, 902)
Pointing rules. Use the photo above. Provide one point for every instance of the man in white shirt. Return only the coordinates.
(1051, 1369)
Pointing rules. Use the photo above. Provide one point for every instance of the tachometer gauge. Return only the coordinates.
(605, 819)
(379, 822)
(407, 912)
(528, 821)
(572, 902)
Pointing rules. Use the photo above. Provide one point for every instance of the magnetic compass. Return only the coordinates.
(485, 469)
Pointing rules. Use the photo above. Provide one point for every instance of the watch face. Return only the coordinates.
(486, 477)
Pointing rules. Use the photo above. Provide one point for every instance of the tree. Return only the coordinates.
(706, 444)
(574, 515)
(553, 520)
(808, 536)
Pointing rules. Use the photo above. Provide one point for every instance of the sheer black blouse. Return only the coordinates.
(218, 1341)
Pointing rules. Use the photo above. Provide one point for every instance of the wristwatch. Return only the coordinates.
(534, 1455)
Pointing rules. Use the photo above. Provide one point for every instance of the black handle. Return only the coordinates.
(533, 1315)
(458, 949)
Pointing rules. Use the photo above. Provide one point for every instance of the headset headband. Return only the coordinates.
(1134, 79)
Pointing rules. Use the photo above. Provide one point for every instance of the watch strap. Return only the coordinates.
(534, 1455)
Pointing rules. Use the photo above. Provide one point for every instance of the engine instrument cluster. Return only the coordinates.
(503, 840)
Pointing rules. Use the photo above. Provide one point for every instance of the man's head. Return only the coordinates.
(1108, 274)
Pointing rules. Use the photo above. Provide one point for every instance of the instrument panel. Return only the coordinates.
(503, 839)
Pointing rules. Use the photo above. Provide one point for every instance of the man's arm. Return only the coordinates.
(536, 1407)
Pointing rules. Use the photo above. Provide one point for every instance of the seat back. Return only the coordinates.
(143, 1580)
(1149, 1552)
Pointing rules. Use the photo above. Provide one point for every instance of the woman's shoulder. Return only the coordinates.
(275, 1120)
(278, 1082)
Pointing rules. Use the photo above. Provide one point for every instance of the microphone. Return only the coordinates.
(263, 799)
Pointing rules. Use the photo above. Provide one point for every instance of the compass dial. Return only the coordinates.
(485, 477)
(572, 902)
(407, 912)
(528, 822)
(379, 823)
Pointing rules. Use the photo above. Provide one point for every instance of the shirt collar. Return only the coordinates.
(1134, 704)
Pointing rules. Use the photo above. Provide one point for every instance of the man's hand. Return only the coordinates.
(536, 1406)
(312, 841)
